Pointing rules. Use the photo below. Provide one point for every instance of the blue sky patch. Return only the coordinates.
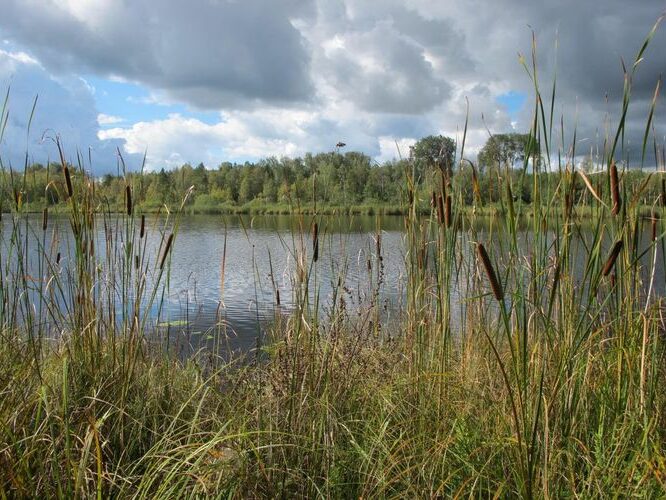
(133, 103)
(513, 101)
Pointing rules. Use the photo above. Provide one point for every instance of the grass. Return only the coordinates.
(549, 385)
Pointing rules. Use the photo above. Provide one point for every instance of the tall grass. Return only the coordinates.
(529, 362)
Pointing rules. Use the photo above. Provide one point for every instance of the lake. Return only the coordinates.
(226, 272)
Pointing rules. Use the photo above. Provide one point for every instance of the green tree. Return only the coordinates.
(435, 151)
(504, 150)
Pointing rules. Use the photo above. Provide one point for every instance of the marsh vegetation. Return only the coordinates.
(544, 378)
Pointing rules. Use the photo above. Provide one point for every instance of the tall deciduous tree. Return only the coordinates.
(503, 150)
(435, 150)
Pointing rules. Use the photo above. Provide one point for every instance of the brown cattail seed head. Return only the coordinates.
(448, 214)
(443, 185)
(440, 210)
(166, 250)
(315, 242)
(45, 219)
(490, 272)
(142, 232)
(68, 182)
(615, 251)
(615, 190)
(654, 219)
(128, 199)
(663, 192)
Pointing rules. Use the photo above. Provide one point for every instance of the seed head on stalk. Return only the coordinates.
(490, 272)
(610, 262)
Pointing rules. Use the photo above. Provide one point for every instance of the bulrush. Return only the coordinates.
(315, 242)
(128, 199)
(68, 182)
(166, 250)
(45, 219)
(615, 251)
(663, 192)
(440, 210)
(142, 232)
(615, 190)
(448, 214)
(490, 272)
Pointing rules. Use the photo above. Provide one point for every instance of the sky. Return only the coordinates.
(237, 80)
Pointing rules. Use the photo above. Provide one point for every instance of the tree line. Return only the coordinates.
(333, 179)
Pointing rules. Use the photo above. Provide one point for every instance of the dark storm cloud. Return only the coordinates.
(208, 53)
(356, 68)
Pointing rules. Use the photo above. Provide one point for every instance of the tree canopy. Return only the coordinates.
(435, 150)
(504, 150)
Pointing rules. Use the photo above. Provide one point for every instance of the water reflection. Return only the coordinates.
(226, 273)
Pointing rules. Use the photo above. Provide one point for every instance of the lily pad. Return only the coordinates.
(176, 322)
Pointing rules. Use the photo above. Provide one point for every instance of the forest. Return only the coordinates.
(329, 181)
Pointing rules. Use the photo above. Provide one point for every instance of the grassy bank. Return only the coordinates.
(548, 384)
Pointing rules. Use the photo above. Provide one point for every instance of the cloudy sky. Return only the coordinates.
(215, 80)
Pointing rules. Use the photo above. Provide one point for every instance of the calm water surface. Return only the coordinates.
(225, 270)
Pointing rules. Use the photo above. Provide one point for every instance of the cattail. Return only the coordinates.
(68, 182)
(654, 220)
(315, 242)
(58, 258)
(615, 251)
(136, 262)
(443, 185)
(142, 232)
(128, 199)
(448, 214)
(45, 219)
(490, 272)
(92, 247)
(615, 190)
(567, 205)
(277, 296)
(433, 201)
(613, 279)
(663, 192)
(440, 210)
(410, 196)
(166, 250)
